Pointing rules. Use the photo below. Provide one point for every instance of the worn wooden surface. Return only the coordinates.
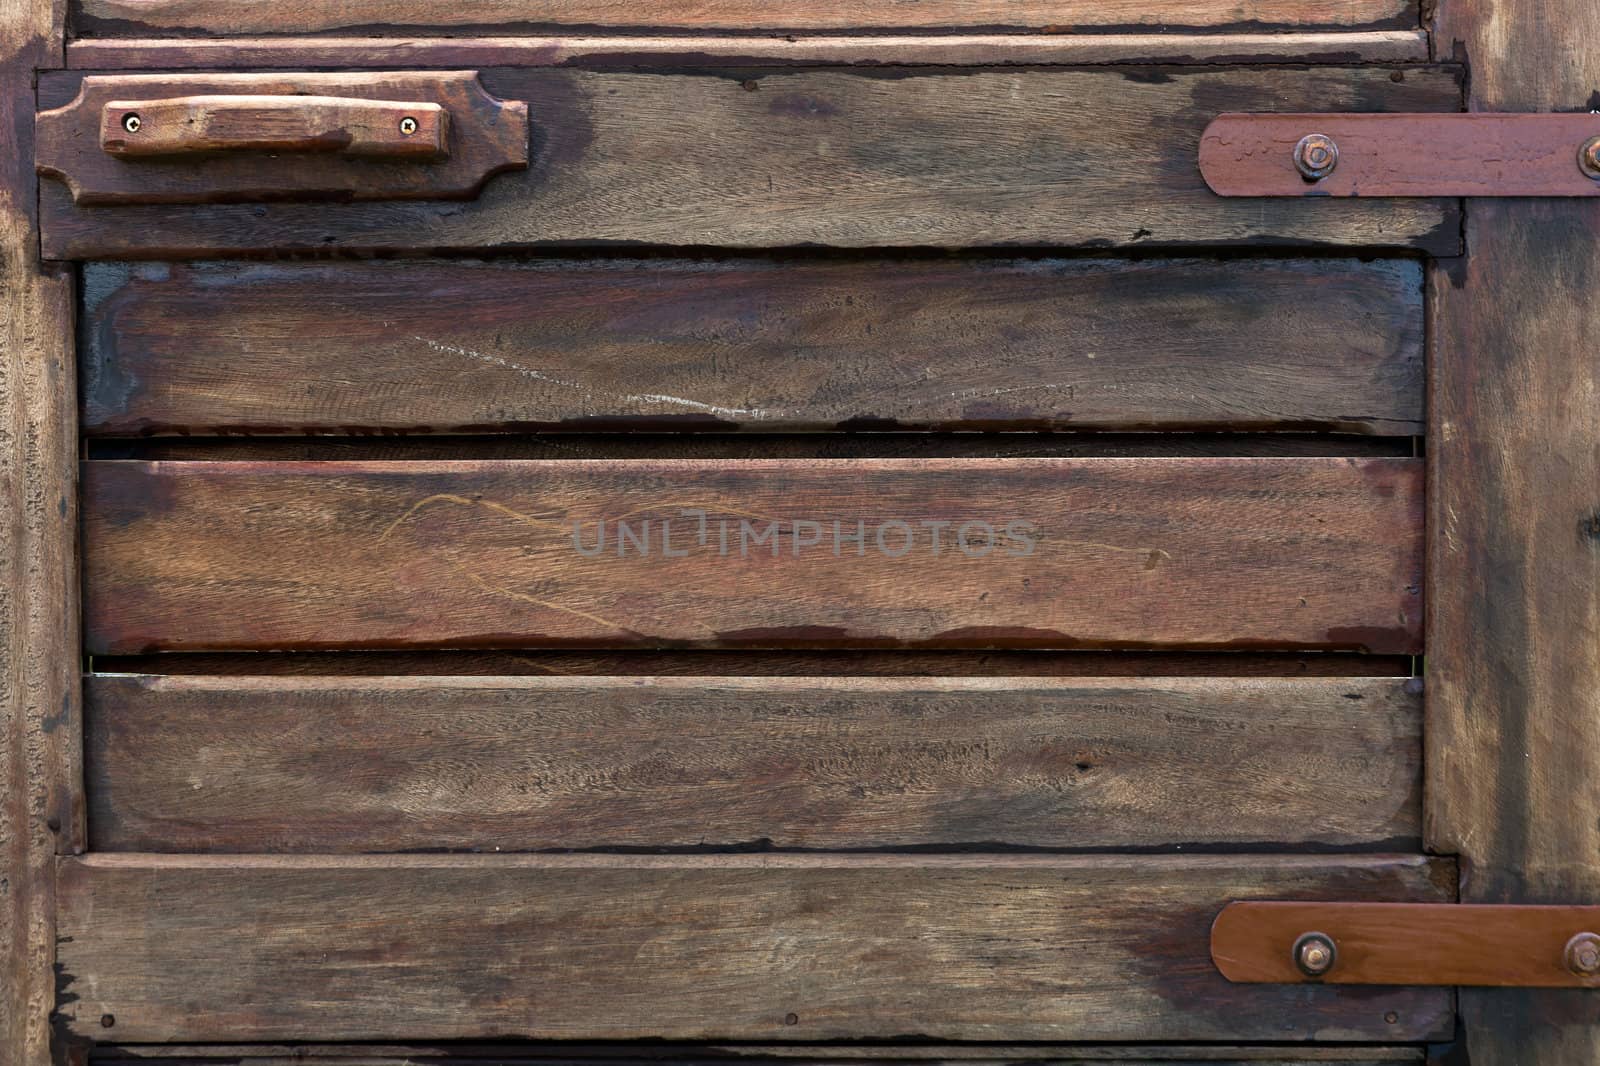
(123, 17)
(1514, 565)
(758, 344)
(1098, 948)
(485, 137)
(1237, 553)
(757, 1055)
(39, 712)
(492, 764)
(888, 157)
(759, 663)
(612, 51)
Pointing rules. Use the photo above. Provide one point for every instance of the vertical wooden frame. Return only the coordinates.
(1513, 669)
(39, 701)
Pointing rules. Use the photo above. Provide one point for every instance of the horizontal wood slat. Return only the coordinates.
(757, 344)
(892, 157)
(1048, 553)
(621, 52)
(735, 947)
(122, 17)
(756, 1055)
(327, 765)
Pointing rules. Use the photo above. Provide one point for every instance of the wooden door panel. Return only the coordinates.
(690, 947)
(1048, 553)
(843, 158)
(324, 765)
(166, 17)
(754, 344)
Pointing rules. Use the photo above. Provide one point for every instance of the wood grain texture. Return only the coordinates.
(756, 344)
(892, 157)
(1030, 662)
(570, 1054)
(622, 52)
(1237, 553)
(200, 948)
(336, 765)
(1514, 658)
(143, 17)
(39, 711)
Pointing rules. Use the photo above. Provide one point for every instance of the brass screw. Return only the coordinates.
(131, 122)
(408, 126)
(1315, 954)
(1589, 158)
(1583, 955)
(1315, 156)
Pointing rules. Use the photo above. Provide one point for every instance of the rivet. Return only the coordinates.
(1583, 955)
(131, 122)
(1589, 158)
(408, 126)
(1315, 954)
(1315, 156)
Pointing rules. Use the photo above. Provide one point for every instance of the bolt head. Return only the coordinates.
(1589, 158)
(1315, 954)
(408, 126)
(1583, 955)
(1315, 156)
(131, 122)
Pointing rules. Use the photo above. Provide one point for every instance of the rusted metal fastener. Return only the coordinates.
(1583, 955)
(1589, 158)
(1315, 156)
(1315, 954)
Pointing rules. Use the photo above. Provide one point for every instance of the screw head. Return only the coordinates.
(131, 122)
(1315, 954)
(408, 126)
(1589, 158)
(1583, 955)
(1315, 156)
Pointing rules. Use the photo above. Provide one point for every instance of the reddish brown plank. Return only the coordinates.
(201, 948)
(846, 158)
(504, 764)
(758, 344)
(614, 51)
(122, 17)
(1042, 553)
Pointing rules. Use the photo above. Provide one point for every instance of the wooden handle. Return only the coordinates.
(185, 125)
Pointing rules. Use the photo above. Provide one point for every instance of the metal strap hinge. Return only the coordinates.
(1402, 155)
(1498, 945)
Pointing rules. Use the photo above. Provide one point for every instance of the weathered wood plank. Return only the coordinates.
(499, 764)
(976, 553)
(612, 51)
(142, 17)
(636, 662)
(1514, 560)
(757, 1055)
(891, 157)
(202, 948)
(40, 727)
(755, 344)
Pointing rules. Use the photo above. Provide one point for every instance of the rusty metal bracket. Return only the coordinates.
(1402, 155)
(1408, 944)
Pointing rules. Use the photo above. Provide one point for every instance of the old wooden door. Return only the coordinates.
(550, 530)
